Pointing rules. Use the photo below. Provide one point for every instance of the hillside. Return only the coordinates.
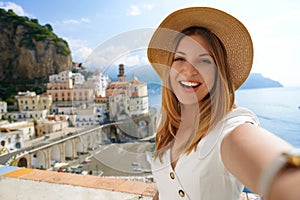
(30, 52)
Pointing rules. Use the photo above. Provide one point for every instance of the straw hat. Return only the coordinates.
(233, 34)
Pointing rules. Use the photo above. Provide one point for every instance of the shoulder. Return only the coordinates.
(241, 114)
(237, 117)
(231, 120)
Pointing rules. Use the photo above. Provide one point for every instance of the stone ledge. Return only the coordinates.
(88, 181)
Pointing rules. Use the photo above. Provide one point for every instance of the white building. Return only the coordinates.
(78, 78)
(15, 134)
(27, 114)
(85, 117)
(63, 76)
(100, 82)
(3, 109)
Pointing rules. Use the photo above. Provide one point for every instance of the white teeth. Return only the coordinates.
(189, 84)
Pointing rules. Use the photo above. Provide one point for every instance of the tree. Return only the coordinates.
(49, 27)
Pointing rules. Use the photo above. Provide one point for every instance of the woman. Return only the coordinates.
(207, 148)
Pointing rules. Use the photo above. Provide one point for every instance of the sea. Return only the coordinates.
(278, 109)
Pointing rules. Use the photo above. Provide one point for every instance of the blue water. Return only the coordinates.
(276, 108)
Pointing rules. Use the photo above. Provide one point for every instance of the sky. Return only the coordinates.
(89, 26)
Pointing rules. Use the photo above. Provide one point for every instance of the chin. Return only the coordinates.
(186, 101)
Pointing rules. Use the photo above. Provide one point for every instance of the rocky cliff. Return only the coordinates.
(29, 53)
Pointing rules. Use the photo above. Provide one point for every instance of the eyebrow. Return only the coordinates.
(203, 54)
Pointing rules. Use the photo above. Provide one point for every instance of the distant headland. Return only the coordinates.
(256, 80)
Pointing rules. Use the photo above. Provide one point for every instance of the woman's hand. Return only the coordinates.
(286, 185)
(155, 196)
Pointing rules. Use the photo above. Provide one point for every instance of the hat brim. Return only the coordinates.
(232, 33)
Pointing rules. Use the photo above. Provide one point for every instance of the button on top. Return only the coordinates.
(181, 193)
(172, 175)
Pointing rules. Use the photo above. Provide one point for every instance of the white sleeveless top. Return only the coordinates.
(201, 175)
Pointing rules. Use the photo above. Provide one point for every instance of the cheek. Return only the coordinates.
(173, 74)
(209, 76)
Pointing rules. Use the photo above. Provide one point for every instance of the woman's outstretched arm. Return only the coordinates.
(249, 150)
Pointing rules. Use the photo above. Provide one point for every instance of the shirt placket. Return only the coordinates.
(173, 176)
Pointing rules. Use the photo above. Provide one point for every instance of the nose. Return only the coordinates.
(189, 69)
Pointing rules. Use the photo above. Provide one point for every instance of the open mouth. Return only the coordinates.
(189, 84)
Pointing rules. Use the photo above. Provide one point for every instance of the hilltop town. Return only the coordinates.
(70, 101)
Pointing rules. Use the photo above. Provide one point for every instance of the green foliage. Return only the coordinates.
(29, 32)
(33, 31)
(49, 27)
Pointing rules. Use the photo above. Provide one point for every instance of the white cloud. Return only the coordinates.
(15, 7)
(79, 49)
(128, 48)
(148, 6)
(81, 53)
(134, 10)
(102, 58)
(74, 21)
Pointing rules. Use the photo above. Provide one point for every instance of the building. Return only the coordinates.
(99, 82)
(30, 105)
(3, 109)
(26, 114)
(102, 109)
(44, 127)
(69, 91)
(127, 98)
(63, 76)
(15, 134)
(86, 117)
(29, 101)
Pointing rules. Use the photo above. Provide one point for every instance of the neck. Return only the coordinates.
(189, 113)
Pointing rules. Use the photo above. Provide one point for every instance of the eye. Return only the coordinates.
(207, 61)
(178, 58)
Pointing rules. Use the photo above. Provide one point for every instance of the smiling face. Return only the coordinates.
(193, 70)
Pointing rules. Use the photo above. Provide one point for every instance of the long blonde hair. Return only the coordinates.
(212, 108)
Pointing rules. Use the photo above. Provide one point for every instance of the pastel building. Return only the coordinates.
(30, 101)
(49, 126)
(69, 90)
(127, 98)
